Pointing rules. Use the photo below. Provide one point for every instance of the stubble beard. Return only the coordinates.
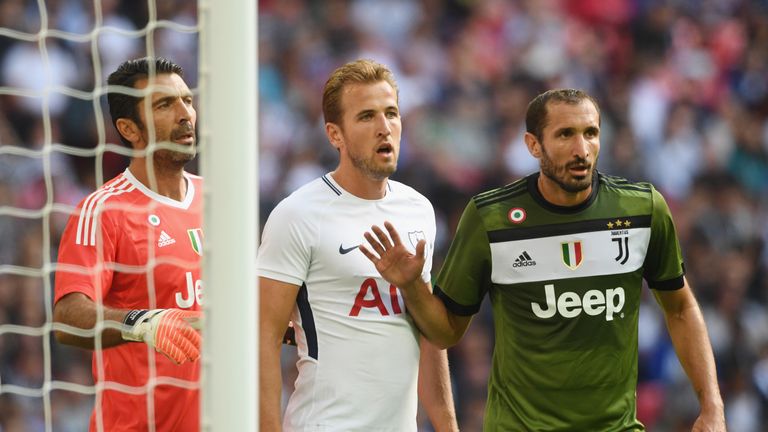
(561, 177)
(171, 159)
(370, 168)
(168, 159)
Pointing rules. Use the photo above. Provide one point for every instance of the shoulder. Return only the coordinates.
(98, 210)
(640, 196)
(512, 190)
(119, 189)
(306, 202)
(623, 186)
(407, 192)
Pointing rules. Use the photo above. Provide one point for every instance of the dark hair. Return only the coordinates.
(355, 72)
(123, 105)
(536, 116)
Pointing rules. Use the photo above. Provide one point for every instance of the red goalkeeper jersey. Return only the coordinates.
(131, 248)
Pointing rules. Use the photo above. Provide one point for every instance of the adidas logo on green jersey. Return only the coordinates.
(569, 305)
(524, 260)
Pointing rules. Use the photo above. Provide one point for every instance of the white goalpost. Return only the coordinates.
(228, 135)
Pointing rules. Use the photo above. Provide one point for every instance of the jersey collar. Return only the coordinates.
(533, 187)
(339, 190)
(164, 199)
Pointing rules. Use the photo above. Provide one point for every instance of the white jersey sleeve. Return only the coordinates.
(285, 253)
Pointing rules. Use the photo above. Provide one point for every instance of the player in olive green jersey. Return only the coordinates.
(562, 254)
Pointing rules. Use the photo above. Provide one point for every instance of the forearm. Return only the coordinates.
(274, 317)
(435, 388)
(689, 337)
(78, 311)
(270, 386)
(430, 315)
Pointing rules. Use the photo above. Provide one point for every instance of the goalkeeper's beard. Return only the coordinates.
(174, 159)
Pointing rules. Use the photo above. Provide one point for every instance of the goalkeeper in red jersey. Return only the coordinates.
(128, 274)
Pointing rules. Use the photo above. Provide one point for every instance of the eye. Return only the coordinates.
(392, 114)
(366, 116)
(591, 132)
(565, 133)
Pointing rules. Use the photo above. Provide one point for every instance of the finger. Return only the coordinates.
(368, 254)
(375, 245)
(193, 337)
(169, 350)
(194, 319)
(191, 346)
(393, 233)
(185, 345)
(421, 246)
(383, 237)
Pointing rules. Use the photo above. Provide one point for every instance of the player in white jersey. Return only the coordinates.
(362, 361)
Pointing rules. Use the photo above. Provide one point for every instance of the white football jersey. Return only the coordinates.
(358, 348)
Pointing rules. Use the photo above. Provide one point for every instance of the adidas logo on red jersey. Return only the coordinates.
(165, 239)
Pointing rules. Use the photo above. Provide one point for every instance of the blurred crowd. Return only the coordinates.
(683, 88)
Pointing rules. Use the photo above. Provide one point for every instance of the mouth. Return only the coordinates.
(385, 149)
(579, 170)
(184, 138)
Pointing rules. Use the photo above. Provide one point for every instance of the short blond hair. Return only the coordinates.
(361, 71)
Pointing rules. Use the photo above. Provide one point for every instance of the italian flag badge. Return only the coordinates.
(196, 238)
(572, 256)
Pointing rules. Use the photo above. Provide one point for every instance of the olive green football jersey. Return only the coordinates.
(564, 285)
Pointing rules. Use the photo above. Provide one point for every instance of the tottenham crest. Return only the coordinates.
(416, 236)
(196, 238)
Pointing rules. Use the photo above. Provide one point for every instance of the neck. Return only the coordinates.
(167, 182)
(360, 185)
(554, 194)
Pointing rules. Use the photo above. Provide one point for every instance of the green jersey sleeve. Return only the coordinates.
(465, 276)
(663, 268)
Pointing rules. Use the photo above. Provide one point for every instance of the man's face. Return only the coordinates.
(172, 115)
(570, 145)
(370, 128)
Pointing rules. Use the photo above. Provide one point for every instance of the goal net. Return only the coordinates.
(57, 145)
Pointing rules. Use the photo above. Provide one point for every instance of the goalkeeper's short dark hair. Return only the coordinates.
(125, 105)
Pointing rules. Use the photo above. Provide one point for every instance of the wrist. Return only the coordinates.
(416, 292)
(712, 404)
(136, 324)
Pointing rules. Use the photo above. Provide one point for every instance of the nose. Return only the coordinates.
(581, 147)
(185, 111)
(383, 129)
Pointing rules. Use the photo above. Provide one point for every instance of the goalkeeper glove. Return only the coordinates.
(171, 332)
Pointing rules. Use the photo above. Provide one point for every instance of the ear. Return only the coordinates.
(128, 129)
(533, 144)
(333, 131)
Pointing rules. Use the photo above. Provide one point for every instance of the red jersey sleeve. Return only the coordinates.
(87, 252)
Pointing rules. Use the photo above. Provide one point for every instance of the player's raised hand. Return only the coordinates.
(393, 261)
(171, 332)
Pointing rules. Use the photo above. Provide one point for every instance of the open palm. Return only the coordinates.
(393, 261)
